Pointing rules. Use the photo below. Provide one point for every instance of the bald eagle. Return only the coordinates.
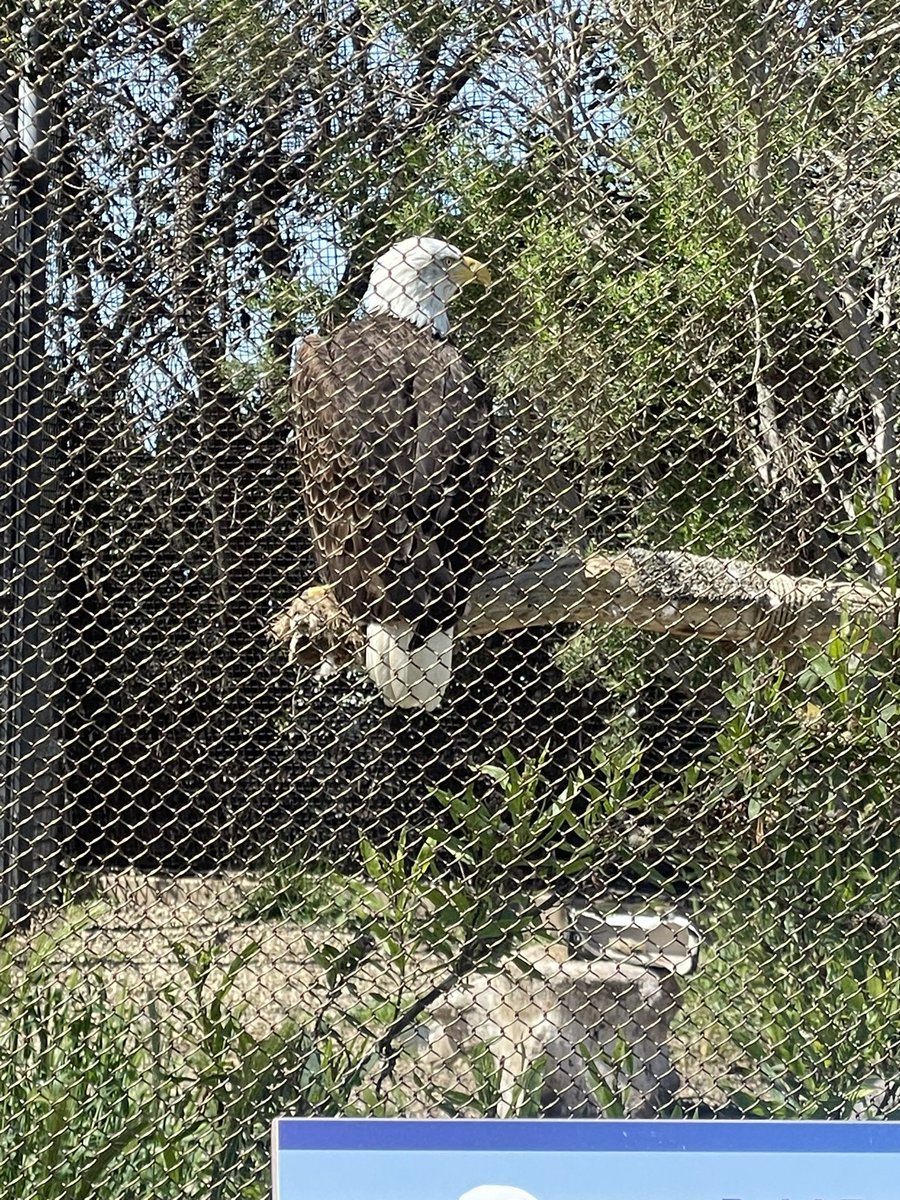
(395, 438)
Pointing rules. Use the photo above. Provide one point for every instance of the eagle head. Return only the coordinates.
(417, 278)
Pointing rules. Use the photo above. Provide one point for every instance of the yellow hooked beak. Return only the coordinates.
(468, 270)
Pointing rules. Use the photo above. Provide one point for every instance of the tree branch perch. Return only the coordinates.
(662, 591)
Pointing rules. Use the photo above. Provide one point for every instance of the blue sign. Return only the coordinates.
(373, 1159)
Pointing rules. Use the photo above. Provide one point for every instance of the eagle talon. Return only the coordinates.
(327, 669)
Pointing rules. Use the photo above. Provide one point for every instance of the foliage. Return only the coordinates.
(490, 1094)
(783, 827)
(297, 889)
(803, 972)
(103, 1096)
(235, 192)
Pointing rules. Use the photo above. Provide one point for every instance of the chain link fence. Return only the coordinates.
(450, 546)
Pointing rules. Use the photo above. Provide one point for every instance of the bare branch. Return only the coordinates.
(661, 591)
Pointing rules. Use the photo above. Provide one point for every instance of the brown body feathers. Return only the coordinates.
(395, 441)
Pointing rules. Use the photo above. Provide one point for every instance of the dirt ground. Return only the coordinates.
(128, 928)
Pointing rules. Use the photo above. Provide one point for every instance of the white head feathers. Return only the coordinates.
(415, 281)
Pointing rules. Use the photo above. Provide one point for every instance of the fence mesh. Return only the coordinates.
(402, 721)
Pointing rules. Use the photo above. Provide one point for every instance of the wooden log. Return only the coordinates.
(661, 591)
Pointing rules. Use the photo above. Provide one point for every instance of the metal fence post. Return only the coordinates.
(31, 777)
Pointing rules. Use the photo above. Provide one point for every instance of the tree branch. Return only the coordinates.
(661, 591)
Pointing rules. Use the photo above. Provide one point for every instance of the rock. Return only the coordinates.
(566, 1012)
(606, 974)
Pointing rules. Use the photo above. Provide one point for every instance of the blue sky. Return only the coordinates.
(597, 1175)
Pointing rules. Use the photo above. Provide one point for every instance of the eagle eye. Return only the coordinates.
(447, 261)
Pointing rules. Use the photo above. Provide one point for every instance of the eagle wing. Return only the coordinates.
(395, 440)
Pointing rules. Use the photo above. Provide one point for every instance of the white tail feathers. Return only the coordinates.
(409, 678)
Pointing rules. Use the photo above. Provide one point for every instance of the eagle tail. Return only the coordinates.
(409, 676)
